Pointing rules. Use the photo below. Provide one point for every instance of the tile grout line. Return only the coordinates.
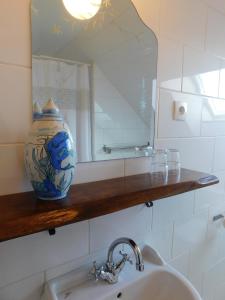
(2, 63)
(172, 243)
(182, 69)
(12, 144)
(192, 94)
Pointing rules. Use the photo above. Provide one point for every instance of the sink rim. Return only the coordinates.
(79, 277)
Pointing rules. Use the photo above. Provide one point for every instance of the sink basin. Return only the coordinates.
(158, 281)
(161, 285)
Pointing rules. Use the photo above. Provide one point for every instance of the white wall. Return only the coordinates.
(191, 41)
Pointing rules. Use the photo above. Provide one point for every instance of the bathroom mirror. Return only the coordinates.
(101, 72)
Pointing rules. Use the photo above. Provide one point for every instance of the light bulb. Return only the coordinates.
(82, 9)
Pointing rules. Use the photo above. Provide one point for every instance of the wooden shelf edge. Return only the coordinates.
(22, 214)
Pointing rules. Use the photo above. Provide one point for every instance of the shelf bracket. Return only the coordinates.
(149, 204)
(52, 231)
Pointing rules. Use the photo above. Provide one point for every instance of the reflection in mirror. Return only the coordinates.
(101, 73)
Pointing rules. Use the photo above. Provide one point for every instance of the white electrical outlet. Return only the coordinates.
(180, 110)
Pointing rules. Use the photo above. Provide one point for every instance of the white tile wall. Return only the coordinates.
(213, 117)
(215, 32)
(173, 128)
(29, 288)
(136, 166)
(20, 258)
(222, 78)
(219, 162)
(213, 281)
(14, 127)
(131, 222)
(212, 196)
(200, 73)
(181, 263)
(13, 179)
(192, 150)
(161, 240)
(170, 63)
(95, 171)
(191, 50)
(169, 210)
(15, 34)
(184, 21)
(217, 4)
(189, 232)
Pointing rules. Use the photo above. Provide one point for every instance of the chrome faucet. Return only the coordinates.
(110, 271)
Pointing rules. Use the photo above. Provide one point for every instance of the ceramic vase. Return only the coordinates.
(50, 154)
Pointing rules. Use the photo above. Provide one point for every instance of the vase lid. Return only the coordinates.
(37, 111)
(50, 109)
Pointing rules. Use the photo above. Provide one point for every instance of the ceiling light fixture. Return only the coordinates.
(82, 9)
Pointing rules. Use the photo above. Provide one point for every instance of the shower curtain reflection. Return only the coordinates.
(69, 85)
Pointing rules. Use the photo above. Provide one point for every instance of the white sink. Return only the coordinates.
(158, 281)
(160, 285)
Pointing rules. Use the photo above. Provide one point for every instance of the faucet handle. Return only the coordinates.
(130, 260)
(94, 271)
(94, 267)
(126, 257)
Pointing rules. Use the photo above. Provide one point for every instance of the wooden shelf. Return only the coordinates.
(22, 214)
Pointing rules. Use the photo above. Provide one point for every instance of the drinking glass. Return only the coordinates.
(158, 162)
(173, 161)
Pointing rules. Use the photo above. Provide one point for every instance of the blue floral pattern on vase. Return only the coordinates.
(48, 163)
(57, 149)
